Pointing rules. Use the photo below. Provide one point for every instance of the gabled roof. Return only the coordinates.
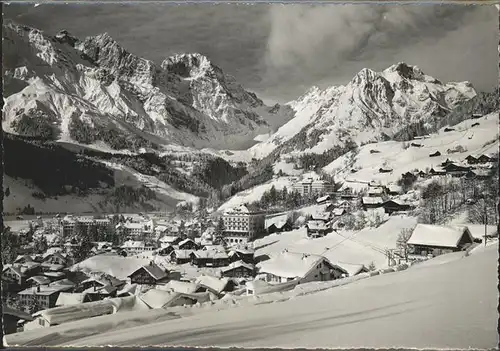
(156, 298)
(185, 241)
(40, 280)
(352, 268)
(213, 283)
(27, 258)
(338, 211)
(182, 253)
(7, 310)
(316, 225)
(210, 254)
(237, 264)
(133, 244)
(103, 290)
(181, 287)
(323, 198)
(292, 264)
(437, 235)
(153, 270)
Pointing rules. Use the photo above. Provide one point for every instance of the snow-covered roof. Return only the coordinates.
(291, 264)
(338, 211)
(237, 264)
(437, 235)
(168, 239)
(185, 241)
(372, 200)
(181, 287)
(323, 198)
(66, 298)
(153, 270)
(376, 190)
(54, 274)
(213, 254)
(40, 280)
(44, 290)
(15, 312)
(316, 225)
(394, 188)
(182, 253)
(103, 279)
(156, 298)
(321, 216)
(214, 248)
(216, 284)
(28, 258)
(351, 268)
(103, 290)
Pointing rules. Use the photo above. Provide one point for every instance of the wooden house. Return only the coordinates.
(239, 254)
(238, 269)
(371, 202)
(181, 256)
(150, 274)
(435, 240)
(165, 250)
(392, 206)
(11, 317)
(434, 172)
(187, 244)
(209, 258)
(485, 159)
(471, 160)
(317, 229)
(302, 267)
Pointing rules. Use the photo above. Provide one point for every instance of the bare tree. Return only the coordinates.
(402, 242)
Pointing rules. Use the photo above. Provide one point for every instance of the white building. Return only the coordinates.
(136, 247)
(242, 224)
(310, 186)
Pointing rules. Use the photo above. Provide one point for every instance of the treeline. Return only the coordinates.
(51, 167)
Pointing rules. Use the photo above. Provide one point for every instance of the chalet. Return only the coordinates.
(155, 298)
(317, 229)
(435, 240)
(99, 281)
(392, 206)
(181, 256)
(384, 170)
(299, 266)
(353, 269)
(183, 287)
(239, 254)
(434, 172)
(150, 274)
(187, 244)
(238, 269)
(343, 204)
(209, 258)
(449, 129)
(422, 174)
(447, 162)
(19, 274)
(42, 297)
(283, 226)
(11, 318)
(471, 160)
(172, 240)
(217, 286)
(322, 217)
(66, 299)
(323, 199)
(371, 202)
(435, 154)
(376, 191)
(97, 293)
(38, 280)
(165, 250)
(394, 190)
(485, 159)
(21, 259)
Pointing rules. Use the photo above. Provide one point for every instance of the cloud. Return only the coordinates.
(280, 51)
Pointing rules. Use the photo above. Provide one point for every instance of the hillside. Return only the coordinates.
(373, 106)
(418, 307)
(93, 90)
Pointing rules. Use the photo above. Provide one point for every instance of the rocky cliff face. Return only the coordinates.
(371, 107)
(93, 91)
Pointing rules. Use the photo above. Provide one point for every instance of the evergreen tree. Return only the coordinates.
(10, 245)
(40, 244)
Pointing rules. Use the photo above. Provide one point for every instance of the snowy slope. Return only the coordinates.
(393, 155)
(370, 105)
(355, 247)
(64, 83)
(415, 308)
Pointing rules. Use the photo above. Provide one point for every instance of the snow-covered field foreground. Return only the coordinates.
(448, 305)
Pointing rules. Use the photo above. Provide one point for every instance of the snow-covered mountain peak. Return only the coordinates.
(190, 65)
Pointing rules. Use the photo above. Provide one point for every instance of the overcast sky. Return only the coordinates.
(279, 51)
